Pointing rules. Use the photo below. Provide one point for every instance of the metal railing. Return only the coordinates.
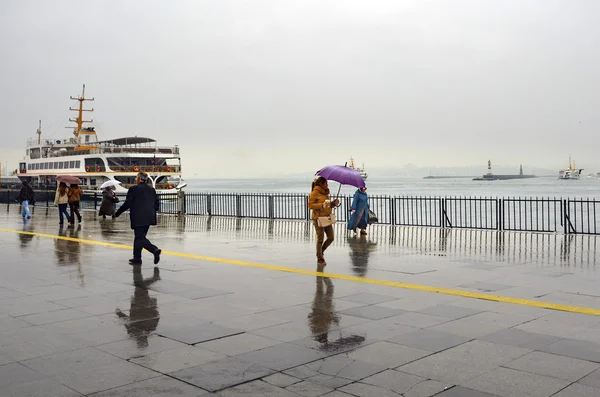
(532, 214)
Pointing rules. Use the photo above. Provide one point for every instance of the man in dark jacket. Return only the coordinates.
(142, 203)
(26, 197)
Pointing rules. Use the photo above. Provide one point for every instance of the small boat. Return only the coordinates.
(570, 173)
(360, 170)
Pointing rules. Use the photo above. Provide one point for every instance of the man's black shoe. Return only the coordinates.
(135, 261)
(157, 256)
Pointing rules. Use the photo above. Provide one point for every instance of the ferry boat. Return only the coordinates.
(95, 162)
(570, 173)
(360, 170)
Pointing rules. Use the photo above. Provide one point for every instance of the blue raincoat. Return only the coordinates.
(360, 203)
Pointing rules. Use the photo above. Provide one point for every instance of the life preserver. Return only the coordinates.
(136, 168)
(87, 168)
(97, 168)
(168, 169)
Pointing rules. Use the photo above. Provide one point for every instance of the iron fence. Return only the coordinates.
(533, 214)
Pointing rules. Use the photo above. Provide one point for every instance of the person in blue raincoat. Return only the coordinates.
(360, 211)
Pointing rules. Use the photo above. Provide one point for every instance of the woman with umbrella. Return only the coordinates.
(62, 199)
(74, 199)
(321, 204)
(109, 199)
(360, 211)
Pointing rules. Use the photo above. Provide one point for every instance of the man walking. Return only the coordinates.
(142, 203)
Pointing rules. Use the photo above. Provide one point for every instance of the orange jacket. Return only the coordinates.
(316, 200)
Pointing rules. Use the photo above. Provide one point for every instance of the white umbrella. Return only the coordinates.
(110, 183)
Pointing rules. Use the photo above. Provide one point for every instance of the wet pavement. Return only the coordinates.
(258, 320)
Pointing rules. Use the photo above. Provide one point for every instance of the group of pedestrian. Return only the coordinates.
(68, 196)
(323, 218)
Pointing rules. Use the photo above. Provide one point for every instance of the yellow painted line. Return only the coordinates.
(395, 284)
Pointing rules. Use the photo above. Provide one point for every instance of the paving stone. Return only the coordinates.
(430, 340)
(463, 362)
(388, 355)
(309, 389)
(554, 366)
(332, 382)
(418, 320)
(162, 386)
(378, 330)
(364, 390)
(486, 287)
(458, 391)
(238, 344)
(282, 357)
(131, 348)
(576, 349)
(578, 390)
(427, 388)
(89, 370)
(398, 382)
(451, 312)
(175, 359)
(256, 388)
(15, 373)
(55, 316)
(345, 367)
(481, 324)
(520, 338)
(217, 375)
(372, 312)
(368, 298)
(198, 333)
(592, 379)
(337, 393)
(512, 383)
(39, 388)
(548, 326)
(281, 380)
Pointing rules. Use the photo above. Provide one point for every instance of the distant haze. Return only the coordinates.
(266, 88)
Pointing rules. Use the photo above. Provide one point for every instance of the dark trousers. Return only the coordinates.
(140, 242)
(62, 209)
(74, 207)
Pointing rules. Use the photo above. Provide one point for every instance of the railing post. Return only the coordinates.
(238, 205)
(392, 210)
(306, 209)
(209, 204)
(180, 202)
(271, 207)
(566, 219)
(499, 214)
(442, 212)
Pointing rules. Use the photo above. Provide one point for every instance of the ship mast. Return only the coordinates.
(79, 120)
(39, 132)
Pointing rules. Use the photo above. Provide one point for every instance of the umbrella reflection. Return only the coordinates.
(323, 316)
(143, 313)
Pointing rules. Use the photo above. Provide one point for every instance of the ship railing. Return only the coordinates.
(526, 214)
(145, 168)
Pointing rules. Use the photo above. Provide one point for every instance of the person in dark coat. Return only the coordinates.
(26, 197)
(143, 204)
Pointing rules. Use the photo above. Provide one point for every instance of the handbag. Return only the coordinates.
(372, 218)
(324, 221)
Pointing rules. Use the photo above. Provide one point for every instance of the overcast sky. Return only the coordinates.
(257, 88)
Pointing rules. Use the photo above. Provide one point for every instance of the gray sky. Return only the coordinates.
(257, 88)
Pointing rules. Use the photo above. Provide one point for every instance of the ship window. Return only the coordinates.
(56, 165)
(45, 166)
(72, 164)
(61, 165)
(92, 181)
(77, 164)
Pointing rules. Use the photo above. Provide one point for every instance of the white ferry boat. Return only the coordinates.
(570, 173)
(95, 162)
(360, 170)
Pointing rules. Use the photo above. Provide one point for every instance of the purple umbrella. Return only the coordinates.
(342, 174)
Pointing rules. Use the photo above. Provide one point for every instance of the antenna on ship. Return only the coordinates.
(79, 120)
(39, 132)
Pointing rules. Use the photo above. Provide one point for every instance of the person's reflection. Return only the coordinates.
(323, 310)
(26, 238)
(323, 315)
(360, 248)
(143, 314)
(68, 252)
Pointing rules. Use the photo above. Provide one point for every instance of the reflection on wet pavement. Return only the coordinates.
(76, 319)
